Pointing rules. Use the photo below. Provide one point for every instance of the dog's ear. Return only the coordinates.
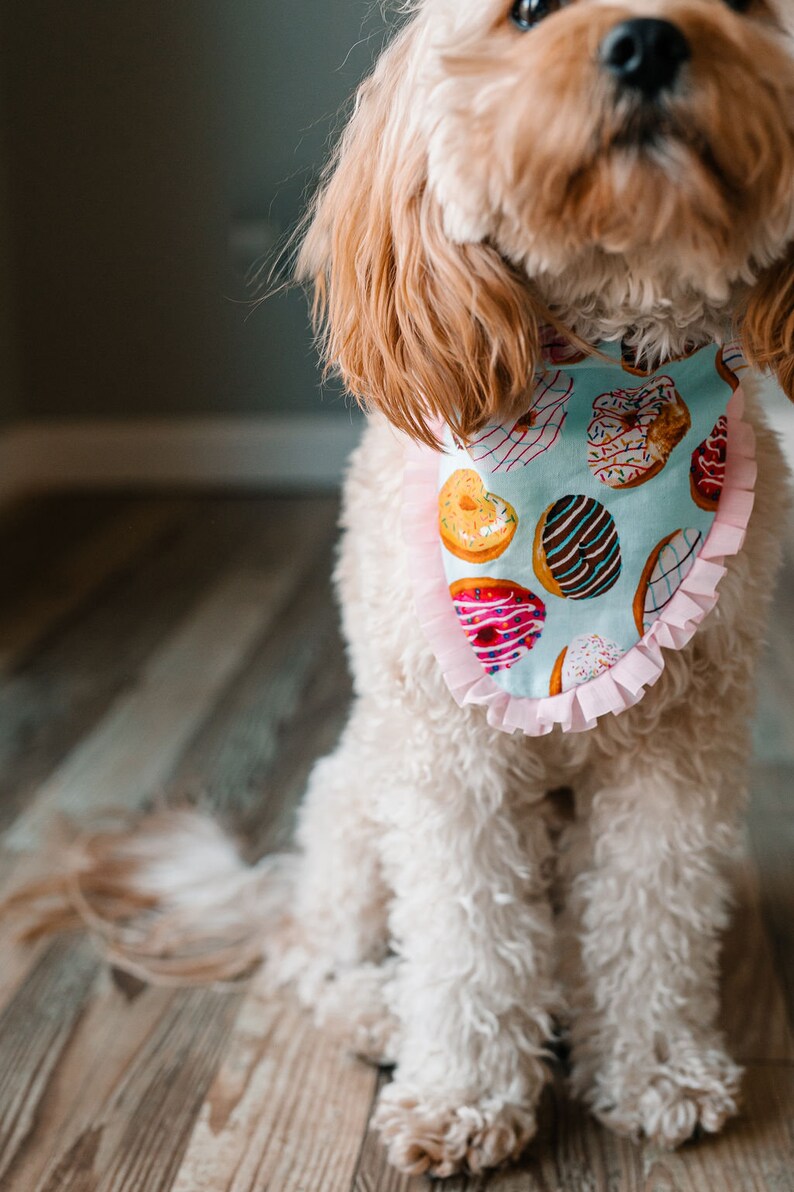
(767, 322)
(417, 326)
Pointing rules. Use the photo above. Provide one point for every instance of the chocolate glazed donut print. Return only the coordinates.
(576, 551)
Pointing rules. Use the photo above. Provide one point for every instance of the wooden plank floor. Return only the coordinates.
(160, 648)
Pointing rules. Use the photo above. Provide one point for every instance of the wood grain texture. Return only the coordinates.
(39, 539)
(132, 751)
(127, 758)
(67, 581)
(287, 1109)
(174, 691)
(34, 1029)
(113, 1029)
(310, 734)
(200, 661)
(136, 1139)
(48, 705)
(232, 757)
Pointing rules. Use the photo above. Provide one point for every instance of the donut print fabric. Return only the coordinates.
(588, 655)
(557, 557)
(576, 551)
(502, 448)
(474, 524)
(668, 566)
(633, 432)
(707, 467)
(730, 362)
(501, 620)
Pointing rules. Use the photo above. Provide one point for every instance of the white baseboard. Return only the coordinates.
(238, 451)
(286, 453)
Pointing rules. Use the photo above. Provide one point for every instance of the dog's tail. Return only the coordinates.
(170, 900)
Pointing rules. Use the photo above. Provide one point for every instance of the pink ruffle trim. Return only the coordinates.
(623, 684)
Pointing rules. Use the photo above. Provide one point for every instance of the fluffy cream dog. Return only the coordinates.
(507, 166)
(495, 169)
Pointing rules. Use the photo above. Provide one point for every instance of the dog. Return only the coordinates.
(595, 172)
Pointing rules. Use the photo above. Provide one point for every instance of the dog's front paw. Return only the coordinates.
(695, 1092)
(439, 1137)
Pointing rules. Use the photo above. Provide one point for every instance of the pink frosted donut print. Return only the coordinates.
(501, 620)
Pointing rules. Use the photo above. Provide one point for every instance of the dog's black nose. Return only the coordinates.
(645, 54)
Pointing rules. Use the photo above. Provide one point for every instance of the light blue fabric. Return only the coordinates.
(643, 515)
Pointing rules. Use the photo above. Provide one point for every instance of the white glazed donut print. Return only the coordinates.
(587, 655)
(633, 432)
(732, 356)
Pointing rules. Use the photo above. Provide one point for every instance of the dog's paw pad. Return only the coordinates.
(428, 1137)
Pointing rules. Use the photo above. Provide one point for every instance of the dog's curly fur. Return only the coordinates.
(489, 181)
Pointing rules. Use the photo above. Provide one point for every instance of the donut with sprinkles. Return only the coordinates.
(586, 657)
(633, 432)
(501, 619)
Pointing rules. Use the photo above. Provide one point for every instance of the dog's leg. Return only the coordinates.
(647, 904)
(334, 942)
(472, 928)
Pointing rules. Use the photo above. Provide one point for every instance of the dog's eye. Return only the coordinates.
(738, 5)
(526, 13)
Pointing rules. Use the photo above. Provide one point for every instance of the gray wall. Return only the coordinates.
(139, 133)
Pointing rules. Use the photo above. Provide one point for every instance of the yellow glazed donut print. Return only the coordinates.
(475, 525)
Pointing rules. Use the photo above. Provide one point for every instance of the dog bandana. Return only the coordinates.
(555, 556)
